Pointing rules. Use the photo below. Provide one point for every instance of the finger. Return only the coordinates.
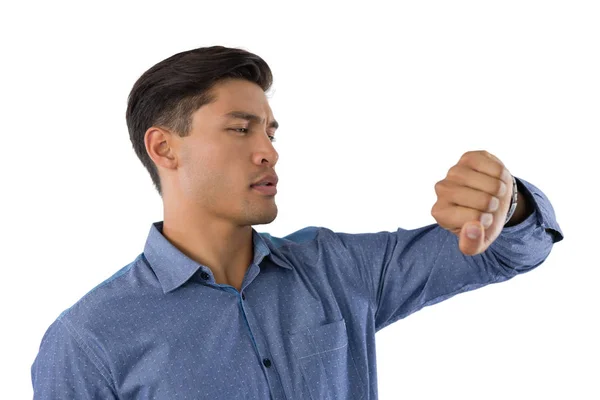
(466, 176)
(490, 155)
(471, 240)
(455, 194)
(453, 217)
(485, 163)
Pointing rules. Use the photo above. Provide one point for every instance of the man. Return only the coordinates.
(212, 309)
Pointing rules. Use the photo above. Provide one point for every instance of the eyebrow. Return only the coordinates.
(251, 117)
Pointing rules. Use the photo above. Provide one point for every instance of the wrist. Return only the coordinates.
(513, 201)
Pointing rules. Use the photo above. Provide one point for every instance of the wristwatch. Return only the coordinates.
(513, 201)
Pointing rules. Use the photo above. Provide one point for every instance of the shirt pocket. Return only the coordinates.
(326, 362)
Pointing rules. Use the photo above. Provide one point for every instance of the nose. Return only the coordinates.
(266, 153)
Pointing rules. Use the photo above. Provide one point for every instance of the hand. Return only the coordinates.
(474, 198)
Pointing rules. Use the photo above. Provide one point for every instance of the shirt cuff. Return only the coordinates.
(542, 215)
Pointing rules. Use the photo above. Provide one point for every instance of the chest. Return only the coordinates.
(185, 347)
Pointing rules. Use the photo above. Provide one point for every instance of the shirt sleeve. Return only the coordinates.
(63, 369)
(407, 270)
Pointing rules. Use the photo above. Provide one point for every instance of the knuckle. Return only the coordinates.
(437, 212)
(454, 173)
(471, 157)
(466, 156)
(495, 158)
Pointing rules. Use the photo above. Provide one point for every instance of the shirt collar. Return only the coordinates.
(173, 268)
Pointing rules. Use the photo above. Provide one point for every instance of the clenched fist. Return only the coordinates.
(473, 200)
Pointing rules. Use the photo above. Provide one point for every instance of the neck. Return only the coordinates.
(227, 249)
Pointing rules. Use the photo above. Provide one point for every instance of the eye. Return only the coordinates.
(240, 130)
(272, 138)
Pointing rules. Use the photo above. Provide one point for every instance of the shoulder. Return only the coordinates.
(103, 303)
(75, 339)
(308, 241)
(302, 237)
(310, 247)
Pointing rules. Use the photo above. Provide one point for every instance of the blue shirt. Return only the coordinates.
(302, 326)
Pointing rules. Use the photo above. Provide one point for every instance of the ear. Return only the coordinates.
(161, 146)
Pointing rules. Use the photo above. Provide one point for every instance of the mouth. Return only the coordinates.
(266, 185)
(267, 189)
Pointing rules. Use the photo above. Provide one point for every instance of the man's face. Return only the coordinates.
(226, 153)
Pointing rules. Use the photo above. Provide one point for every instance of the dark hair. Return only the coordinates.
(169, 93)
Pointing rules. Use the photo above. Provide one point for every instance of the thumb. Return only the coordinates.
(471, 238)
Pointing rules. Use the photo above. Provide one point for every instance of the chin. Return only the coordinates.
(263, 217)
(266, 219)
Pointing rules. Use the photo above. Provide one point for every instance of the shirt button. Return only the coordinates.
(267, 362)
(204, 276)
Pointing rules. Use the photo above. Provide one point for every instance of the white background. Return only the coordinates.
(376, 102)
